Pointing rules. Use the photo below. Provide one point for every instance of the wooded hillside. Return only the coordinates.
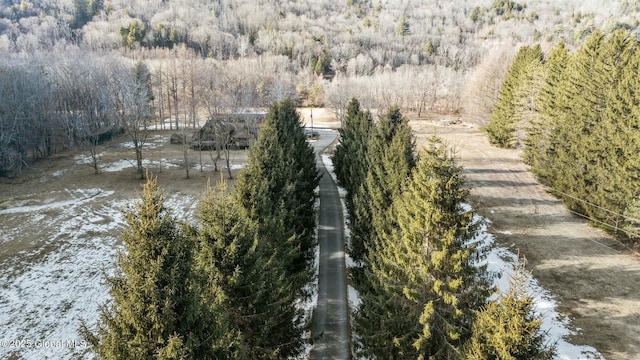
(209, 57)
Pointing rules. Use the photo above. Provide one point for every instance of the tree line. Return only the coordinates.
(212, 57)
(322, 35)
(49, 106)
(576, 116)
(424, 291)
(228, 286)
(386, 43)
(52, 103)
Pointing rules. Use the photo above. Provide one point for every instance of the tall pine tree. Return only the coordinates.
(425, 269)
(508, 109)
(277, 189)
(390, 158)
(238, 275)
(538, 152)
(350, 155)
(155, 311)
(588, 149)
(278, 185)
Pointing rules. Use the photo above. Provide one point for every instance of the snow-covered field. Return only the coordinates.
(57, 247)
(45, 292)
(500, 260)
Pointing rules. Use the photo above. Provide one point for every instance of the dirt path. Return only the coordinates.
(595, 278)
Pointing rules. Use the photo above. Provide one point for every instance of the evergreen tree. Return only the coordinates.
(390, 158)
(238, 276)
(594, 136)
(584, 146)
(507, 113)
(404, 27)
(508, 328)
(630, 137)
(278, 184)
(351, 166)
(614, 183)
(350, 155)
(424, 269)
(277, 189)
(537, 151)
(142, 76)
(155, 311)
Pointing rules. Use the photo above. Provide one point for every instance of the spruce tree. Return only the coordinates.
(350, 159)
(579, 114)
(538, 152)
(613, 182)
(390, 158)
(238, 275)
(155, 311)
(507, 328)
(350, 155)
(279, 181)
(424, 269)
(593, 141)
(277, 190)
(630, 137)
(507, 110)
(583, 143)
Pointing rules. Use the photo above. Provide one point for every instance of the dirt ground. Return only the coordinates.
(595, 277)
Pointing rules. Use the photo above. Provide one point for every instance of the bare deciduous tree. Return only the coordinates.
(132, 108)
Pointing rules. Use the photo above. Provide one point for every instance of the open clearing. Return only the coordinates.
(59, 231)
(595, 278)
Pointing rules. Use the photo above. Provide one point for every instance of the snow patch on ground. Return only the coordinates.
(223, 167)
(71, 198)
(500, 261)
(44, 301)
(148, 144)
(123, 164)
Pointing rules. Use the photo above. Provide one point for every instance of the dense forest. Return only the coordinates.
(576, 116)
(62, 60)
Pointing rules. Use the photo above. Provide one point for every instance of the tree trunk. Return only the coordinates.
(138, 147)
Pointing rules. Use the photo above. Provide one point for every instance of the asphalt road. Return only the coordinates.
(330, 321)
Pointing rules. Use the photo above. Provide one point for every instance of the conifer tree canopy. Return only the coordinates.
(507, 111)
(155, 311)
(424, 269)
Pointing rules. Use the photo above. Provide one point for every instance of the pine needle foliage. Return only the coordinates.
(585, 145)
(508, 328)
(390, 158)
(424, 269)
(551, 101)
(277, 190)
(237, 274)
(349, 156)
(508, 109)
(277, 187)
(155, 311)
